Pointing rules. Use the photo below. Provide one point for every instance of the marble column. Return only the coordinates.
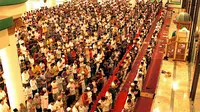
(11, 68)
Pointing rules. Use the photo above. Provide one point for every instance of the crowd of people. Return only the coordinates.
(136, 86)
(67, 53)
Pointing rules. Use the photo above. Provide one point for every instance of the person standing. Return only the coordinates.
(59, 81)
(50, 94)
(44, 98)
(33, 84)
(4, 106)
(59, 105)
(30, 106)
(3, 95)
(55, 90)
(22, 108)
(25, 77)
(37, 102)
(72, 92)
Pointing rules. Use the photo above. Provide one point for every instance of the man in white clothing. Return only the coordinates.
(25, 77)
(28, 92)
(59, 105)
(55, 90)
(75, 107)
(33, 84)
(52, 107)
(44, 99)
(3, 95)
(3, 106)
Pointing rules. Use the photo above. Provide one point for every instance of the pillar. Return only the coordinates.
(11, 11)
(193, 29)
(196, 75)
(11, 68)
(191, 11)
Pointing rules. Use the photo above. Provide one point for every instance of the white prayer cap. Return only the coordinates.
(132, 84)
(112, 84)
(63, 56)
(68, 109)
(82, 72)
(88, 88)
(71, 80)
(63, 78)
(66, 65)
(36, 94)
(44, 89)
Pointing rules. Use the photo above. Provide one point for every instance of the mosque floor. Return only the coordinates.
(172, 94)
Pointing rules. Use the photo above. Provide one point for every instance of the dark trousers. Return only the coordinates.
(90, 105)
(71, 100)
(39, 110)
(34, 92)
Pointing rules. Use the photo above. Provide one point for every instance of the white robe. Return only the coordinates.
(44, 101)
(59, 106)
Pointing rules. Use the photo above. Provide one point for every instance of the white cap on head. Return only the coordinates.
(44, 89)
(36, 94)
(112, 84)
(68, 109)
(71, 80)
(132, 84)
(88, 88)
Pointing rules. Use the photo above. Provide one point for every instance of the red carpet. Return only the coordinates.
(121, 99)
(154, 70)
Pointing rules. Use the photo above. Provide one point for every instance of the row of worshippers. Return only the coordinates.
(137, 85)
(61, 51)
(106, 103)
